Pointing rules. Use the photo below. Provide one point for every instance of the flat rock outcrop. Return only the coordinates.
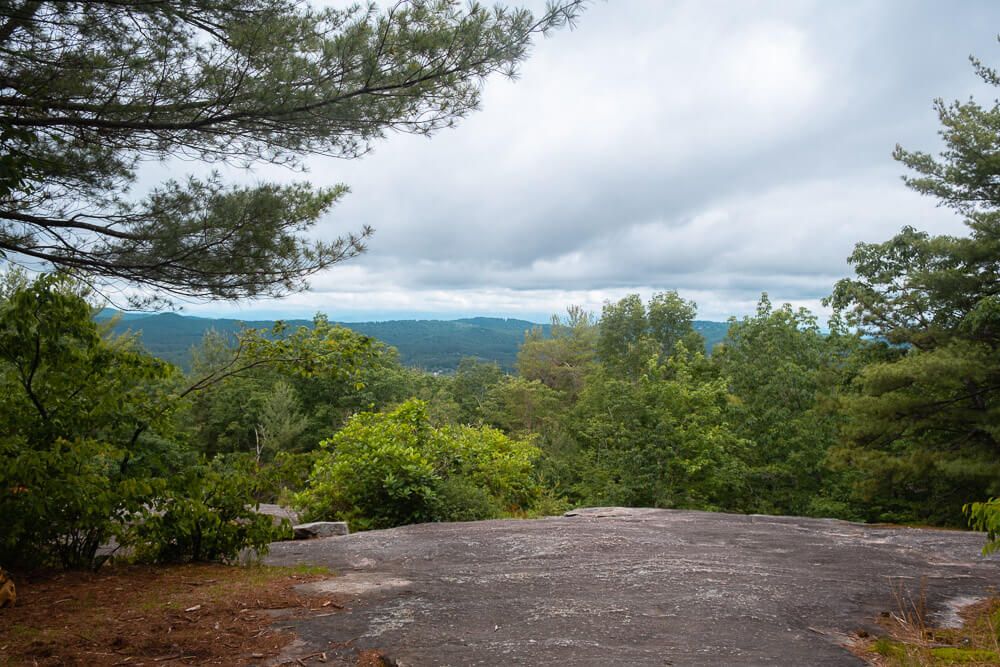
(616, 586)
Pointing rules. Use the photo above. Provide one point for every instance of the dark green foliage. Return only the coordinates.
(286, 473)
(206, 514)
(235, 81)
(431, 345)
(89, 449)
(923, 425)
(471, 386)
(460, 499)
(76, 411)
(630, 333)
(660, 441)
(282, 389)
(562, 360)
(60, 504)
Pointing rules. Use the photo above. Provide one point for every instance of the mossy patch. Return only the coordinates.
(949, 655)
(911, 643)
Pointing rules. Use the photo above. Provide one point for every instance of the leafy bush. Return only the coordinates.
(87, 445)
(986, 517)
(287, 474)
(59, 504)
(460, 499)
(76, 412)
(208, 514)
(391, 469)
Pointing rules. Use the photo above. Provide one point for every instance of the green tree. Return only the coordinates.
(671, 321)
(291, 387)
(562, 360)
(659, 441)
(80, 420)
(631, 332)
(522, 406)
(224, 81)
(281, 421)
(924, 425)
(784, 376)
(206, 513)
(471, 386)
(622, 341)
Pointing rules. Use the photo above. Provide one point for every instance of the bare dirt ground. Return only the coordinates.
(616, 586)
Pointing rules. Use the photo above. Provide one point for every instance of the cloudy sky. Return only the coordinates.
(719, 148)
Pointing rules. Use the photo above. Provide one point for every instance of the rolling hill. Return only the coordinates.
(434, 345)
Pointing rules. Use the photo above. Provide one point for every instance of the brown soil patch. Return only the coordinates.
(185, 614)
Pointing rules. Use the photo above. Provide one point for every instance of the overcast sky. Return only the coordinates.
(718, 148)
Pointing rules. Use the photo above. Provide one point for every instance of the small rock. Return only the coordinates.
(308, 531)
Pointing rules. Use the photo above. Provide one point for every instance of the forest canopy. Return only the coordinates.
(889, 412)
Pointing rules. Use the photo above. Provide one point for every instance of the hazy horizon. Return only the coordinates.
(719, 149)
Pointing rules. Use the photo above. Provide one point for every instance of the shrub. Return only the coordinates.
(460, 499)
(59, 504)
(395, 468)
(77, 411)
(986, 517)
(208, 514)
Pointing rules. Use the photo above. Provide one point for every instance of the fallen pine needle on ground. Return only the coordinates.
(202, 614)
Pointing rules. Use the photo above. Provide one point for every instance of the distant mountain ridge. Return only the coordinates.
(434, 345)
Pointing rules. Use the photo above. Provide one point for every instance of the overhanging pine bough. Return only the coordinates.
(91, 90)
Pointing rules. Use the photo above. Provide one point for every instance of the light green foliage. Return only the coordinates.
(207, 514)
(563, 360)
(986, 517)
(784, 376)
(486, 459)
(376, 472)
(670, 322)
(660, 441)
(236, 81)
(470, 387)
(631, 332)
(281, 390)
(390, 469)
(923, 426)
(76, 412)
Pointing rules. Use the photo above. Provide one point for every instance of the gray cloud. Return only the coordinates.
(717, 148)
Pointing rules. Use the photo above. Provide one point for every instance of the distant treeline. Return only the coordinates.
(432, 345)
